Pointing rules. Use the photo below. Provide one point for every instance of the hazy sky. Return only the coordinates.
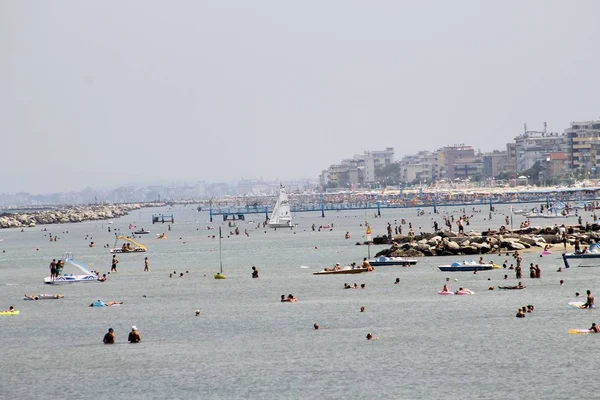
(112, 92)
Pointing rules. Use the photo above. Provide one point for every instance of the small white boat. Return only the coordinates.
(382, 261)
(463, 266)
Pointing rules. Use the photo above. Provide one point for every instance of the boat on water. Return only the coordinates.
(281, 217)
(382, 261)
(558, 211)
(126, 247)
(141, 232)
(587, 258)
(87, 276)
(463, 266)
(341, 271)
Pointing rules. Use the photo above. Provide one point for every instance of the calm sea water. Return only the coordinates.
(246, 344)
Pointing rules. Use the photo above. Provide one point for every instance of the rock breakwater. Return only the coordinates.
(69, 215)
(450, 243)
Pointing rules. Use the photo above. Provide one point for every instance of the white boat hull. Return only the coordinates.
(70, 279)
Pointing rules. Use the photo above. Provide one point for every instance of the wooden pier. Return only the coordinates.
(162, 218)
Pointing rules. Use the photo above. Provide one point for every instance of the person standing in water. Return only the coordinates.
(109, 338)
(113, 266)
(134, 335)
(146, 265)
(254, 272)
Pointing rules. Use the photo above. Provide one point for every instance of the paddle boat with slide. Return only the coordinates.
(127, 248)
(588, 257)
(87, 276)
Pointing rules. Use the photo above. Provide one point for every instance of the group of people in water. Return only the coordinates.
(134, 336)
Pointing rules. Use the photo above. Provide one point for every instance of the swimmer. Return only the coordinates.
(397, 281)
(371, 337)
(316, 326)
(594, 328)
(445, 289)
(197, 313)
(362, 309)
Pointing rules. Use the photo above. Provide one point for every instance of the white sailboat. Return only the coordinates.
(281, 217)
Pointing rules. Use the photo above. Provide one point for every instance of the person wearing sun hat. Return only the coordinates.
(134, 335)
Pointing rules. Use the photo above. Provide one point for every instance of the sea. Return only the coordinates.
(246, 344)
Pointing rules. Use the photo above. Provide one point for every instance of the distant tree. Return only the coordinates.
(388, 174)
(533, 173)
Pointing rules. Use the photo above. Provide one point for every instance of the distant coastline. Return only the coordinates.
(69, 214)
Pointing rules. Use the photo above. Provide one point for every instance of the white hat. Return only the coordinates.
(134, 328)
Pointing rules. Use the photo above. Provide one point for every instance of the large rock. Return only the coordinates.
(411, 253)
(512, 245)
(451, 246)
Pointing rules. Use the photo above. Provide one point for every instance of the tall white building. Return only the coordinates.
(534, 146)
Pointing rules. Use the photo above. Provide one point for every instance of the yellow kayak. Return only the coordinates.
(16, 312)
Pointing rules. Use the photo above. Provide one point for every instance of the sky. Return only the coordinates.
(115, 92)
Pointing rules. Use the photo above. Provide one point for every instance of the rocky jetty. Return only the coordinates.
(69, 214)
(450, 243)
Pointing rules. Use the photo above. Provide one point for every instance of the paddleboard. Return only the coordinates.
(445, 293)
(578, 304)
(16, 312)
(579, 331)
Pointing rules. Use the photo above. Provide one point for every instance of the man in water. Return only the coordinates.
(590, 301)
(254, 272)
(113, 266)
(595, 328)
(53, 269)
(146, 265)
(134, 335)
(109, 338)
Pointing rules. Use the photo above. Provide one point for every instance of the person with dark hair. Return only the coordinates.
(109, 338)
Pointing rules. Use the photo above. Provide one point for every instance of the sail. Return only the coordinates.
(282, 214)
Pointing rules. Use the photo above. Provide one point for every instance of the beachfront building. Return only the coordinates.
(584, 146)
(420, 167)
(450, 156)
(360, 170)
(535, 146)
(494, 163)
(555, 167)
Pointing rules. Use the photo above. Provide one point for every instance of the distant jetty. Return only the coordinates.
(450, 243)
(70, 214)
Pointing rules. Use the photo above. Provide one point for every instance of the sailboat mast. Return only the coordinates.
(220, 257)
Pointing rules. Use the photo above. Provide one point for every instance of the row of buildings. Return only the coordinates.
(573, 152)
